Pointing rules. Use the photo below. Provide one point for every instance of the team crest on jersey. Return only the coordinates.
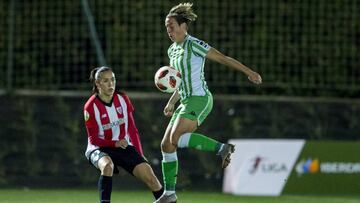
(119, 110)
(86, 115)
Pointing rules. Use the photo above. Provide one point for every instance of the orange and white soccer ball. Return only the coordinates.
(167, 79)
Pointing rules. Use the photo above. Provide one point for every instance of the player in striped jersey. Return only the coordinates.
(187, 54)
(113, 139)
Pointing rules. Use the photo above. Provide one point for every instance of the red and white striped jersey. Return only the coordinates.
(108, 123)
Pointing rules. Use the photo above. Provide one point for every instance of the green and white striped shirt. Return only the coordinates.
(188, 57)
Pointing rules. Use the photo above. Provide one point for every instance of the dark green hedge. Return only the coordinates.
(43, 138)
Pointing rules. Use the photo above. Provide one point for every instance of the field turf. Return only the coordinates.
(91, 196)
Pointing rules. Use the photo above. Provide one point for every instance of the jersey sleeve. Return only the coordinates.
(200, 47)
(134, 134)
(92, 130)
(129, 105)
(132, 129)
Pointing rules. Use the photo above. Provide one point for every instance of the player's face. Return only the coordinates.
(106, 83)
(175, 31)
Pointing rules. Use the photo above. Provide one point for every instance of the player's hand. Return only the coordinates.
(255, 78)
(169, 110)
(122, 143)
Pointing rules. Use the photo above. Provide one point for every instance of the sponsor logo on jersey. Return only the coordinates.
(113, 124)
(104, 115)
(193, 113)
(202, 43)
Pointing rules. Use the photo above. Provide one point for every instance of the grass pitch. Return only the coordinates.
(91, 196)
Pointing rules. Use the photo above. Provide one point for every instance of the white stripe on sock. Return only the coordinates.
(169, 157)
(169, 192)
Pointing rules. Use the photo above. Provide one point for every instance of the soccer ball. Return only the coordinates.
(167, 79)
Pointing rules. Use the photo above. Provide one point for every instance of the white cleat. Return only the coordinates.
(167, 198)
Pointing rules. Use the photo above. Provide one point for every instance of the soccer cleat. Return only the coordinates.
(167, 199)
(225, 153)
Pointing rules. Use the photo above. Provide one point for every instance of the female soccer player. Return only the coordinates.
(187, 54)
(113, 139)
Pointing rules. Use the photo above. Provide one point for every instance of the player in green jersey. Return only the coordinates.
(187, 54)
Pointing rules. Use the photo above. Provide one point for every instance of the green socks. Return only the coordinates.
(170, 170)
(203, 143)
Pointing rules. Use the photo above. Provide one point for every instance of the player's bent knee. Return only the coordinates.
(167, 146)
(175, 136)
(107, 168)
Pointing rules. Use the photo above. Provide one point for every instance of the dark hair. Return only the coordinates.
(95, 75)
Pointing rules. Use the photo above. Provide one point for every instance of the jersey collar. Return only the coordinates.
(185, 38)
(106, 104)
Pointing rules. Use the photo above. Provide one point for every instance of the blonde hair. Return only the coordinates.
(183, 13)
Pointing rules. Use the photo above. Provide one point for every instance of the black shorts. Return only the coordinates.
(127, 158)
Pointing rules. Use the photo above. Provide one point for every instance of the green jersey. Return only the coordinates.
(188, 57)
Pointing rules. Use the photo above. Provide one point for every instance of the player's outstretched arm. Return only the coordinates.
(217, 56)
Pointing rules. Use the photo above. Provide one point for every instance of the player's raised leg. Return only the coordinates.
(193, 113)
(203, 143)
